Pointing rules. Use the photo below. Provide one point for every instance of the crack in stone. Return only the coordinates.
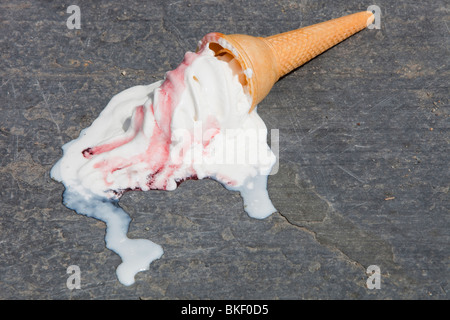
(302, 207)
(314, 235)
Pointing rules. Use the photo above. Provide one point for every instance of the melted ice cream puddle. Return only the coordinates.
(194, 124)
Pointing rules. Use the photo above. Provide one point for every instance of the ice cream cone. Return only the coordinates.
(263, 61)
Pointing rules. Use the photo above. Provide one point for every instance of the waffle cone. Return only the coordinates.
(264, 60)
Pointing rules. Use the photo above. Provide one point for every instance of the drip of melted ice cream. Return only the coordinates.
(193, 124)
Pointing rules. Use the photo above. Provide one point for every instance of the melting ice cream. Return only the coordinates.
(199, 122)
(193, 124)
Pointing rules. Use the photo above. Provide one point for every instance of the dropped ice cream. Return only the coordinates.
(194, 124)
(200, 122)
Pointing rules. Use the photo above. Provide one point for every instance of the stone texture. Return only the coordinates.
(364, 145)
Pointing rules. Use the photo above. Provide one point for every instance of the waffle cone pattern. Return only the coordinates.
(265, 60)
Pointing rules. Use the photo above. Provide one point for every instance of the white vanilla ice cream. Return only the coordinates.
(194, 124)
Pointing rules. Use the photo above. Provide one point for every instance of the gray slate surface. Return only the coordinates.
(364, 165)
